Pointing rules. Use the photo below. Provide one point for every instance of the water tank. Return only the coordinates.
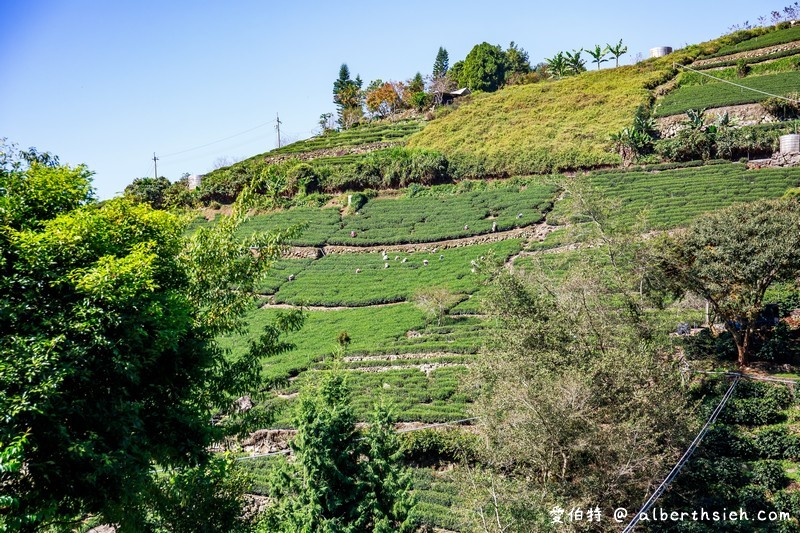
(790, 143)
(194, 181)
(660, 51)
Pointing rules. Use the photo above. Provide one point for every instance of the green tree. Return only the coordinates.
(435, 301)
(149, 191)
(108, 358)
(517, 61)
(617, 51)
(441, 64)
(731, 257)
(456, 74)
(484, 68)
(339, 481)
(598, 55)
(348, 97)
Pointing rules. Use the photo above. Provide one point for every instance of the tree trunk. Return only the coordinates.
(743, 346)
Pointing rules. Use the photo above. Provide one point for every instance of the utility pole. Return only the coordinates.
(155, 165)
(278, 128)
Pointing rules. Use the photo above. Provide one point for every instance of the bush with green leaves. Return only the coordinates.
(339, 481)
(434, 446)
(768, 474)
(777, 442)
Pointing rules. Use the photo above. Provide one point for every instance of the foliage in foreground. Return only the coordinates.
(108, 361)
(338, 481)
(732, 257)
(578, 401)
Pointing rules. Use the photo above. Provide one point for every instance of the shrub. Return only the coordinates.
(433, 446)
(781, 347)
(753, 499)
(787, 501)
(303, 179)
(687, 145)
(358, 200)
(727, 441)
(742, 68)
(781, 108)
(753, 411)
(768, 474)
(777, 443)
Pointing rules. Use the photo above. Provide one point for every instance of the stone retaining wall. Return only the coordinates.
(749, 54)
(778, 159)
(742, 115)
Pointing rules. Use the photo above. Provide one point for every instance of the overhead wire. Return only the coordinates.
(737, 84)
(685, 457)
(218, 141)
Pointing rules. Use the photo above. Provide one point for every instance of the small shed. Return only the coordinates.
(448, 98)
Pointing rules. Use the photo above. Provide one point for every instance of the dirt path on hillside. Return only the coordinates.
(400, 357)
(271, 305)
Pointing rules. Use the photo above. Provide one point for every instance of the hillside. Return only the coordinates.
(545, 127)
(408, 228)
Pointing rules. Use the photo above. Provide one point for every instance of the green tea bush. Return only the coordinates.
(727, 441)
(753, 499)
(787, 501)
(777, 442)
(769, 474)
(431, 446)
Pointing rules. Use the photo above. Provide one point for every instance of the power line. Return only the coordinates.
(218, 141)
(737, 84)
(686, 455)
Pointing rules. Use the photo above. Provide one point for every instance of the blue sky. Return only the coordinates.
(109, 83)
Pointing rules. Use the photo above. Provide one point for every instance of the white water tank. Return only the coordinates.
(194, 181)
(790, 143)
(660, 51)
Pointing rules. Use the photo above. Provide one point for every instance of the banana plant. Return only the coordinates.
(617, 50)
(575, 64)
(598, 55)
(557, 65)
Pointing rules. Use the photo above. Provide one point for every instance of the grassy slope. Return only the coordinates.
(546, 126)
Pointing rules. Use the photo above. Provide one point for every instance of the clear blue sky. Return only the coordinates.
(109, 83)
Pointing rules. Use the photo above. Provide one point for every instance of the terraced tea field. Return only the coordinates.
(441, 217)
(673, 198)
(431, 217)
(369, 279)
(719, 94)
(366, 134)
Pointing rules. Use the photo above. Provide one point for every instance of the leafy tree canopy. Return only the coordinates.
(108, 362)
(484, 68)
(732, 256)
